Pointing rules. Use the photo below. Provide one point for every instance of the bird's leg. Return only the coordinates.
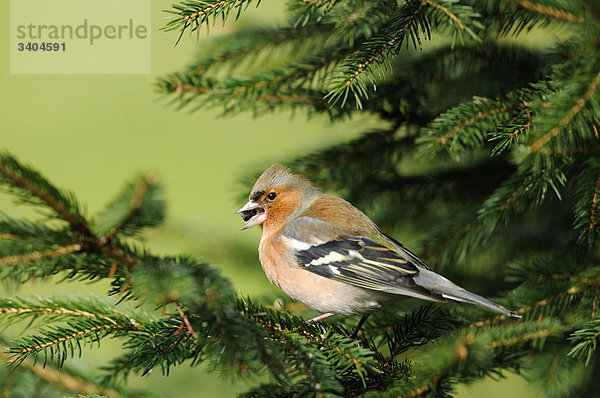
(354, 334)
(320, 317)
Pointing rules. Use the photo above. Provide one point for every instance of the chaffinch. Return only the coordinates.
(328, 255)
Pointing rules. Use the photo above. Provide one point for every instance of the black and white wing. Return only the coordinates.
(364, 262)
(360, 261)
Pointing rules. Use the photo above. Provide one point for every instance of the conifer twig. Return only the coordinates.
(593, 222)
(186, 321)
(135, 205)
(400, 35)
(445, 11)
(519, 339)
(60, 378)
(481, 115)
(39, 255)
(538, 304)
(57, 311)
(564, 122)
(25, 351)
(77, 221)
(549, 11)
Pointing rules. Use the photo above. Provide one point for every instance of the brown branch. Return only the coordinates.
(569, 152)
(8, 237)
(54, 376)
(186, 321)
(58, 311)
(594, 337)
(180, 88)
(549, 11)
(272, 99)
(553, 366)
(521, 129)
(418, 392)
(564, 122)
(519, 339)
(593, 222)
(595, 301)
(445, 11)
(39, 255)
(572, 278)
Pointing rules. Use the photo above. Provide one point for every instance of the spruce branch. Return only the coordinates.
(538, 144)
(524, 190)
(357, 20)
(31, 187)
(296, 84)
(192, 14)
(40, 255)
(534, 309)
(474, 123)
(552, 12)
(57, 308)
(447, 12)
(585, 340)
(66, 338)
(61, 378)
(511, 139)
(586, 208)
(413, 19)
(557, 374)
(312, 11)
(345, 78)
(72, 321)
(417, 329)
(238, 50)
(463, 354)
(138, 206)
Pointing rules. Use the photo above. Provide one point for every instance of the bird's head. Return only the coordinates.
(276, 195)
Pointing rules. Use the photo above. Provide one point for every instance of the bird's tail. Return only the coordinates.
(449, 290)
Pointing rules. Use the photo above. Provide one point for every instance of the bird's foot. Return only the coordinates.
(315, 321)
(320, 317)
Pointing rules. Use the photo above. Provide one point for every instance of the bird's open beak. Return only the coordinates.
(253, 214)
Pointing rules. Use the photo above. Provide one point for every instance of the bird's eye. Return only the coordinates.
(271, 195)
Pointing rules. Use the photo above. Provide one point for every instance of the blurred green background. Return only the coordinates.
(90, 133)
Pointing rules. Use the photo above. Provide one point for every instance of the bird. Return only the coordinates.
(327, 254)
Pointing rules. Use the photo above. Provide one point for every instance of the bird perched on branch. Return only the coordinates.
(328, 255)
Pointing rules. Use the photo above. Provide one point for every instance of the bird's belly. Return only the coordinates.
(327, 295)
